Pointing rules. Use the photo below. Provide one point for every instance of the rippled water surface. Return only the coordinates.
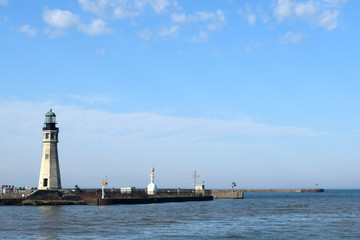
(334, 214)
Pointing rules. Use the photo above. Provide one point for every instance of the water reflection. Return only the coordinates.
(47, 211)
(48, 222)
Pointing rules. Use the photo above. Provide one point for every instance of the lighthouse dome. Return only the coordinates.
(152, 189)
(50, 113)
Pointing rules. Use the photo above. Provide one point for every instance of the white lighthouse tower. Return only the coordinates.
(50, 170)
(152, 188)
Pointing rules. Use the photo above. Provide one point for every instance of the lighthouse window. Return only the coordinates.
(46, 135)
(52, 135)
(45, 182)
(46, 156)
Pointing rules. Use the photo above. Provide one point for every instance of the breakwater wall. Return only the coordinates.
(72, 196)
(141, 192)
(282, 190)
(239, 193)
(177, 192)
(226, 194)
(93, 197)
(110, 201)
(42, 197)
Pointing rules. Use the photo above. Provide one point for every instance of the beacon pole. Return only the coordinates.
(232, 187)
(102, 189)
(103, 184)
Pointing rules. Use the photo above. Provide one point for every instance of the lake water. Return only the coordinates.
(334, 214)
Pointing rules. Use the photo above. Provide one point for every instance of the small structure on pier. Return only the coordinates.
(127, 190)
(152, 188)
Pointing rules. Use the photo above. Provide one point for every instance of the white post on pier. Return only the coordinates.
(103, 184)
(232, 187)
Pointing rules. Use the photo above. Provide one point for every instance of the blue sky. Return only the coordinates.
(263, 93)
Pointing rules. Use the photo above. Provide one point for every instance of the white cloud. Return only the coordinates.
(3, 2)
(321, 13)
(95, 7)
(159, 5)
(60, 18)
(329, 19)
(220, 15)
(335, 2)
(305, 9)
(191, 18)
(252, 46)
(248, 14)
(179, 18)
(118, 9)
(201, 36)
(218, 22)
(283, 9)
(251, 18)
(291, 37)
(100, 52)
(144, 34)
(288, 8)
(96, 27)
(252, 13)
(121, 12)
(214, 20)
(205, 16)
(112, 9)
(218, 19)
(30, 31)
(171, 31)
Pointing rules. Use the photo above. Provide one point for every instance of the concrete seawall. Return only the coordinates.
(226, 194)
(110, 201)
(93, 197)
(282, 190)
(239, 193)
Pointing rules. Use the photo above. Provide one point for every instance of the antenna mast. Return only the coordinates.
(195, 176)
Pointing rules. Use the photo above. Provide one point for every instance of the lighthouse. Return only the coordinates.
(50, 170)
(152, 188)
